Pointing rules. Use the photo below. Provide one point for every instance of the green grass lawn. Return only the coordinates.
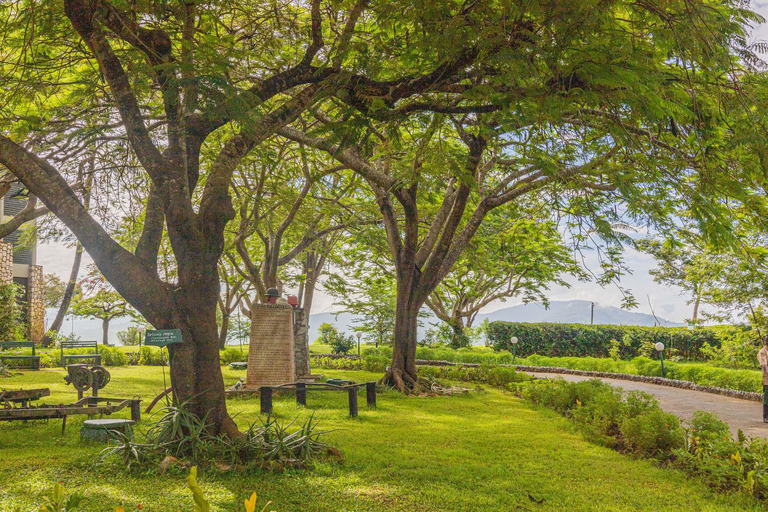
(483, 451)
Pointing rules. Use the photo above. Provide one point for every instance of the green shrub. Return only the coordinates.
(724, 463)
(329, 335)
(49, 359)
(151, 356)
(563, 396)
(12, 328)
(634, 423)
(370, 363)
(631, 422)
(110, 356)
(233, 355)
(129, 337)
(706, 427)
(500, 377)
(738, 348)
(653, 433)
(600, 416)
(558, 340)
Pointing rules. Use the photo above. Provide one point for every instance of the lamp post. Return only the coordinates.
(514, 340)
(359, 335)
(660, 350)
(141, 333)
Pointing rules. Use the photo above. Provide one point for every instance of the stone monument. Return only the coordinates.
(271, 350)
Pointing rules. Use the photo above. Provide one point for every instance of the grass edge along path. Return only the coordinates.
(482, 451)
(701, 374)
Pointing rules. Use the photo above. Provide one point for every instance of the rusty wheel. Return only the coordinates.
(80, 377)
(100, 375)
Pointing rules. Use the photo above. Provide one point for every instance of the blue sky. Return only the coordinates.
(667, 301)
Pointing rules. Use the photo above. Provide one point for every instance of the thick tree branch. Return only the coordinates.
(215, 204)
(28, 213)
(148, 246)
(347, 156)
(129, 277)
(81, 15)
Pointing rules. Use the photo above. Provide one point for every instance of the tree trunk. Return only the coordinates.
(457, 325)
(696, 310)
(309, 292)
(69, 292)
(224, 329)
(195, 363)
(105, 332)
(402, 373)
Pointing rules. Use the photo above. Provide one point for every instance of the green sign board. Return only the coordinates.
(163, 338)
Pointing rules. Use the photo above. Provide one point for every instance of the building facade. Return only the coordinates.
(19, 265)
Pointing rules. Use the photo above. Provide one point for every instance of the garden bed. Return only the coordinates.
(660, 381)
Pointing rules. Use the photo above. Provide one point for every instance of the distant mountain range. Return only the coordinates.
(572, 311)
(566, 312)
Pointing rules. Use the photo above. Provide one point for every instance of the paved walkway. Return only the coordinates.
(739, 414)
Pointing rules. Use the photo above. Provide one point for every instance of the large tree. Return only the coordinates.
(608, 111)
(689, 264)
(95, 298)
(157, 81)
(516, 252)
(288, 203)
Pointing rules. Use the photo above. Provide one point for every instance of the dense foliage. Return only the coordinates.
(11, 327)
(634, 423)
(331, 336)
(497, 376)
(579, 340)
(628, 422)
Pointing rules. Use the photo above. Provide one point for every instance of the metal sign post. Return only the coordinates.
(163, 338)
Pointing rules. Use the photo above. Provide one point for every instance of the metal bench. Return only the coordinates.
(33, 359)
(68, 345)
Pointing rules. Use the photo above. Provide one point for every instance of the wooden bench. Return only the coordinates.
(265, 394)
(67, 345)
(33, 359)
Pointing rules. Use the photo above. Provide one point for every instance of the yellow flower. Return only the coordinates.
(250, 504)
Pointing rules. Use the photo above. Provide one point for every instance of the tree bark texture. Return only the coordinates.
(105, 332)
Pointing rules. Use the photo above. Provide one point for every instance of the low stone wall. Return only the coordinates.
(659, 381)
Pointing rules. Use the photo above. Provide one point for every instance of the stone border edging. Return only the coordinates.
(660, 381)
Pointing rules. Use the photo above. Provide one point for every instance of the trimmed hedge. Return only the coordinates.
(478, 355)
(698, 373)
(578, 340)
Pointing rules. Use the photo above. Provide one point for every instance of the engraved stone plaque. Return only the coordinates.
(270, 353)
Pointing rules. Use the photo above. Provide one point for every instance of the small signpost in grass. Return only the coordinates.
(162, 338)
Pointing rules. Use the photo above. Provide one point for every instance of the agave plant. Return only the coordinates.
(124, 446)
(276, 443)
(178, 430)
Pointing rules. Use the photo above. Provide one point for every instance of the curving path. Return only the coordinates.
(738, 414)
